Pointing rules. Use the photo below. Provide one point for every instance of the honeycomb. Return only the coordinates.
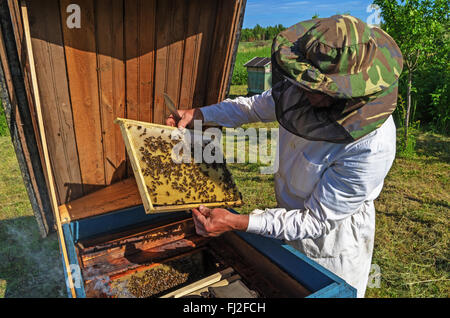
(169, 183)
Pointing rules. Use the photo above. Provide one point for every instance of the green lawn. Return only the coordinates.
(4, 131)
(412, 232)
(30, 266)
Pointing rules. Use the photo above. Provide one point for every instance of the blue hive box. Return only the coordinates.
(283, 265)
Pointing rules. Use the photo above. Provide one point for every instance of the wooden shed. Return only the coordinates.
(99, 60)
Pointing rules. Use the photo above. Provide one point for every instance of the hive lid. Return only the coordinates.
(166, 185)
(258, 62)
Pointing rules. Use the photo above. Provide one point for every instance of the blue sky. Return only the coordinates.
(289, 12)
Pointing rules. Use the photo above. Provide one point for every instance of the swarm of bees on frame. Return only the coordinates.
(161, 278)
(155, 281)
(174, 183)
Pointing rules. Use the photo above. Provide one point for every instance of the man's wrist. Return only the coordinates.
(198, 115)
(238, 222)
(207, 113)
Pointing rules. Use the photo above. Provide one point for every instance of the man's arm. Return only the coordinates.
(355, 177)
(340, 193)
(231, 113)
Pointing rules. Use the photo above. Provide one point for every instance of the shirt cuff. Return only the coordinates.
(208, 113)
(255, 223)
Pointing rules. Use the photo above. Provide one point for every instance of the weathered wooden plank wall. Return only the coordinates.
(54, 92)
(16, 98)
(126, 54)
(112, 85)
(80, 46)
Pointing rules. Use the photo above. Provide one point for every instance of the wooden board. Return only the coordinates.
(111, 79)
(190, 57)
(162, 31)
(125, 194)
(39, 118)
(130, 259)
(54, 94)
(18, 31)
(19, 119)
(121, 60)
(81, 57)
(196, 53)
(140, 58)
(167, 186)
(176, 45)
(221, 58)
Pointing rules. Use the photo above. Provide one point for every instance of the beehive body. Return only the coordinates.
(259, 72)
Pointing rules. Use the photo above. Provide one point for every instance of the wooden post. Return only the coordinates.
(48, 169)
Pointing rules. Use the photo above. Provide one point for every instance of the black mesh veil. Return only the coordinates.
(297, 115)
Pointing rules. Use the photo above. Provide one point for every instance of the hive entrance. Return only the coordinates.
(166, 184)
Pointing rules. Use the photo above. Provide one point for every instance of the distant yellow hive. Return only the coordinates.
(165, 185)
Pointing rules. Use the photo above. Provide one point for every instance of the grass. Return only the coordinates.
(4, 131)
(412, 227)
(412, 232)
(30, 266)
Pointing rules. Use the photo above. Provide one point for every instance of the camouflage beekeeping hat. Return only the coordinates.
(344, 58)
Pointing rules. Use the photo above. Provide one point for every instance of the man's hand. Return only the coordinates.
(215, 222)
(187, 118)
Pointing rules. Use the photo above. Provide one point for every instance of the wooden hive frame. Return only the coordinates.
(130, 138)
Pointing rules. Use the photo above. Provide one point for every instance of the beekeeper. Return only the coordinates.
(334, 90)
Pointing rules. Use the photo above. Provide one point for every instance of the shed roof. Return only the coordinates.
(258, 62)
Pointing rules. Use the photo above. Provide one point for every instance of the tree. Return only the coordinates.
(416, 26)
(259, 33)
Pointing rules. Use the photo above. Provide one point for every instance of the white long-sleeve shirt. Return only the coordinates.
(325, 191)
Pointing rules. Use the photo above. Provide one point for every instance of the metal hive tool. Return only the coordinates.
(165, 185)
